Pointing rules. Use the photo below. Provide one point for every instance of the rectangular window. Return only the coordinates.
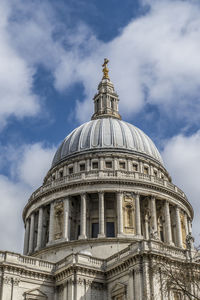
(110, 229)
(95, 165)
(71, 170)
(82, 167)
(146, 170)
(135, 167)
(108, 164)
(61, 174)
(122, 165)
(155, 173)
(95, 230)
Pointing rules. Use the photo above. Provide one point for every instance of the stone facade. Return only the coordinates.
(106, 213)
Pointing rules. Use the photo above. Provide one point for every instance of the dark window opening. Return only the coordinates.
(82, 167)
(135, 167)
(122, 165)
(95, 165)
(95, 230)
(146, 170)
(71, 170)
(110, 229)
(108, 164)
(61, 174)
(112, 103)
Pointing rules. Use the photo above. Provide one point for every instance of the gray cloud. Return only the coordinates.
(182, 158)
(28, 166)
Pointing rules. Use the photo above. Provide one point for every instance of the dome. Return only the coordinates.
(106, 134)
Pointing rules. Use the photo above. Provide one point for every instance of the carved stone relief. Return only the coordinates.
(35, 294)
(129, 213)
(58, 220)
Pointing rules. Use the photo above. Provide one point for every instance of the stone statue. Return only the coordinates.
(189, 241)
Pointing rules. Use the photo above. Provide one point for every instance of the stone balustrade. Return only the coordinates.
(28, 262)
(105, 174)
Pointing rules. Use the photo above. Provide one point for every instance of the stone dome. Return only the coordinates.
(104, 134)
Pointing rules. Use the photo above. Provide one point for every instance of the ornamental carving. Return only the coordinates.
(58, 220)
(129, 213)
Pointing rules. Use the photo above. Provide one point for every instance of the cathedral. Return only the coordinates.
(106, 216)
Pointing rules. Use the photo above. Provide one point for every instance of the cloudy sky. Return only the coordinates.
(50, 64)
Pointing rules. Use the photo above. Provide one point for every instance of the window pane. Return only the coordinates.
(95, 230)
(110, 229)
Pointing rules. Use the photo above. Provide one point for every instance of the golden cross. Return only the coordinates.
(105, 69)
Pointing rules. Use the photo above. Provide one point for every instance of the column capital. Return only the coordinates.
(101, 192)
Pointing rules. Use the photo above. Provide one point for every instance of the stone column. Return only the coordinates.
(140, 167)
(186, 224)
(88, 165)
(137, 215)
(66, 219)
(51, 223)
(146, 226)
(83, 217)
(154, 226)
(40, 227)
(119, 213)
(101, 162)
(178, 228)
(190, 226)
(168, 230)
(31, 236)
(101, 216)
(65, 171)
(65, 292)
(138, 283)
(26, 237)
(115, 164)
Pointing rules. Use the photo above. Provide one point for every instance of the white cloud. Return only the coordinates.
(155, 59)
(34, 164)
(16, 97)
(28, 166)
(182, 158)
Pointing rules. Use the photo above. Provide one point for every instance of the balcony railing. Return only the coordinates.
(106, 174)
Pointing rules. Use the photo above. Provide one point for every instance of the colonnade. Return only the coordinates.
(149, 229)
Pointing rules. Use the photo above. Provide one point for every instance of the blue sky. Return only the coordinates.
(51, 56)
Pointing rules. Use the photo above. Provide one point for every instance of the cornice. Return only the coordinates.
(122, 181)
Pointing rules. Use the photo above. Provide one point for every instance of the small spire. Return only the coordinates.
(106, 100)
(105, 69)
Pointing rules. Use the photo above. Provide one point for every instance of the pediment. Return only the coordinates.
(35, 294)
(119, 289)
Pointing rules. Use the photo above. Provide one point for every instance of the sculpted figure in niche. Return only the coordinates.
(129, 213)
(58, 220)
